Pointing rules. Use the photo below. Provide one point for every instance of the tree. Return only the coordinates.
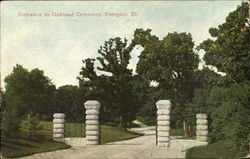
(229, 50)
(114, 87)
(171, 62)
(69, 100)
(29, 91)
(228, 112)
(226, 99)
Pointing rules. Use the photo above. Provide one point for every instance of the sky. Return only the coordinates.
(58, 44)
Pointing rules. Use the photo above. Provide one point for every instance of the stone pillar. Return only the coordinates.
(58, 127)
(201, 128)
(92, 123)
(163, 123)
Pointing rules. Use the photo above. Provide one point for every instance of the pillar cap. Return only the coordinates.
(59, 115)
(201, 116)
(92, 104)
(163, 102)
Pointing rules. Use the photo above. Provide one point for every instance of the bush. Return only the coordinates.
(229, 113)
(9, 124)
(150, 121)
(31, 125)
(231, 119)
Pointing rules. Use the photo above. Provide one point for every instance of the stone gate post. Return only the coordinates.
(58, 126)
(163, 123)
(92, 123)
(201, 128)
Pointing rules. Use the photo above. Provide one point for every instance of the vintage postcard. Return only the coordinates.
(125, 79)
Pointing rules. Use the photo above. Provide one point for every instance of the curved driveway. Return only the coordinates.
(140, 147)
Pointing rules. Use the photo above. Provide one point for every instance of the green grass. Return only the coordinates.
(17, 147)
(108, 133)
(21, 146)
(176, 132)
(187, 138)
(220, 149)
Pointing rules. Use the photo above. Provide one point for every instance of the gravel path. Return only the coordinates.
(141, 147)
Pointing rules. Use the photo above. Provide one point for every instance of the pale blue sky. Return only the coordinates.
(57, 45)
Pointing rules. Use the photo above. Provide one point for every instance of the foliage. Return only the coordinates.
(231, 118)
(115, 86)
(220, 149)
(226, 98)
(29, 91)
(9, 124)
(69, 100)
(229, 112)
(31, 125)
(172, 63)
(19, 145)
(229, 50)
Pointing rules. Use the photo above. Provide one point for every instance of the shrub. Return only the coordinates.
(31, 125)
(9, 124)
(231, 119)
(229, 113)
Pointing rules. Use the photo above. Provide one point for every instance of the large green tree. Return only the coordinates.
(226, 99)
(29, 91)
(229, 50)
(114, 84)
(171, 62)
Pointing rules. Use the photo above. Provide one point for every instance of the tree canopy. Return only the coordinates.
(29, 91)
(114, 87)
(229, 50)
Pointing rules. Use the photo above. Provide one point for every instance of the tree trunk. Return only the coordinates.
(189, 130)
(185, 128)
(123, 123)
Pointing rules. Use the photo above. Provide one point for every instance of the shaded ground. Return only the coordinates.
(43, 142)
(140, 147)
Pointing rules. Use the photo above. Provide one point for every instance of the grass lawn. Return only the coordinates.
(108, 133)
(220, 149)
(16, 147)
(176, 132)
(187, 138)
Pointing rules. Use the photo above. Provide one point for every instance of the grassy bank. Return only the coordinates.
(108, 133)
(220, 149)
(16, 147)
(21, 146)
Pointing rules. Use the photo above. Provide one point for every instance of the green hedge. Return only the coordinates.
(229, 113)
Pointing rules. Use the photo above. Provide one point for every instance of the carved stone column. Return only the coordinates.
(92, 122)
(201, 128)
(58, 126)
(163, 123)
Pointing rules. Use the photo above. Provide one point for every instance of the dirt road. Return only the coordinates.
(141, 147)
